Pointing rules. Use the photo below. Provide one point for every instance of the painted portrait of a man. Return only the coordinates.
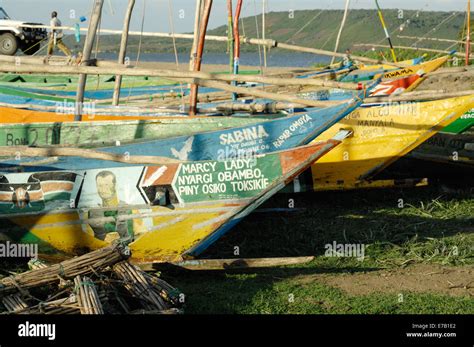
(111, 208)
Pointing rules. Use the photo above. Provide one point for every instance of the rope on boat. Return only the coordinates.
(305, 25)
(444, 21)
(405, 23)
(111, 7)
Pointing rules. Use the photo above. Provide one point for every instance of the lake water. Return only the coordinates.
(251, 59)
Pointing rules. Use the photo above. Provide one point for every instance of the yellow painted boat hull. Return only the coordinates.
(381, 136)
(427, 67)
(174, 231)
(408, 62)
(164, 213)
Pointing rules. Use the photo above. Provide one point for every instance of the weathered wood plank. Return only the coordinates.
(229, 264)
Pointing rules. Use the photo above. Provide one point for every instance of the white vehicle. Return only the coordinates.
(13, 36)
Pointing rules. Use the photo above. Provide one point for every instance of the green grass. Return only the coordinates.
(430, 229)
(270, 293)
(371, 217)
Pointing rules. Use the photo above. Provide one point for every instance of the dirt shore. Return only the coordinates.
(420, 278)
(451, 82)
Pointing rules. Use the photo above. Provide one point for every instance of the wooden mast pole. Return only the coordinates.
(387, 35)
(123, 50)
(197, 19)
(468, 37)
(343, 23)
(230, 35)
(199, 53)
(264, 26)
(86, 54)
(238, 10)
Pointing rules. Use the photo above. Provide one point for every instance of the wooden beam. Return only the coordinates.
(410, 48)
(236, 36)
(29, 152)
(228, 264)
(266, 95)
(230, 35)
(387, 34)
(250, 41)
(199, 53)
(123, 50)
(86, 53)
(429, 39)
(426, 95)
(107, 68)
(326, 53)
(264, 31)
(259, 107)
(197, 21)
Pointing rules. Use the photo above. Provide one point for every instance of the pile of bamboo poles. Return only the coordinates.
(99, 282)
(87, 296)
(14, 303)
(67, 270)
(153, 297)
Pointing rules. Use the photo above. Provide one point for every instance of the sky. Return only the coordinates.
(158, 20)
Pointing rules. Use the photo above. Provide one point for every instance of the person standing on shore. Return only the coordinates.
(56, 37)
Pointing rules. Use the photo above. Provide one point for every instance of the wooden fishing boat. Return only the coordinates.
(386, 67)
(21, 126)
(49, 96)
(103, 81)
(427, 67)
(165, 212)
(463, 124)
(453, 146)
(109, 131)
(259, 138)
(399, 85)
(384, 88)
(38, 94)
(452, 149)
(382, 135)
(446, 156)
(394, 87)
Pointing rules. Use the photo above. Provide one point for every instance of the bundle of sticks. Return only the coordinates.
(99, 282)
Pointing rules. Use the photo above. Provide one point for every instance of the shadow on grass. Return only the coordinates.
(367, 217)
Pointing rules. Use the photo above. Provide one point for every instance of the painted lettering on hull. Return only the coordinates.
(232, 179)
(298, 125)
(245, 135)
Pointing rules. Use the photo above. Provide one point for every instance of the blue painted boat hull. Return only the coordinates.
(241, 142)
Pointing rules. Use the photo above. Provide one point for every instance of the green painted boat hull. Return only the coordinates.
(454, 149)
(463, 124)
(96, 134)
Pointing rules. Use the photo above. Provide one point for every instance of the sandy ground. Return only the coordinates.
(450, 82)
(448, 280)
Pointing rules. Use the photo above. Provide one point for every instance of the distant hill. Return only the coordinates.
(362, 26)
